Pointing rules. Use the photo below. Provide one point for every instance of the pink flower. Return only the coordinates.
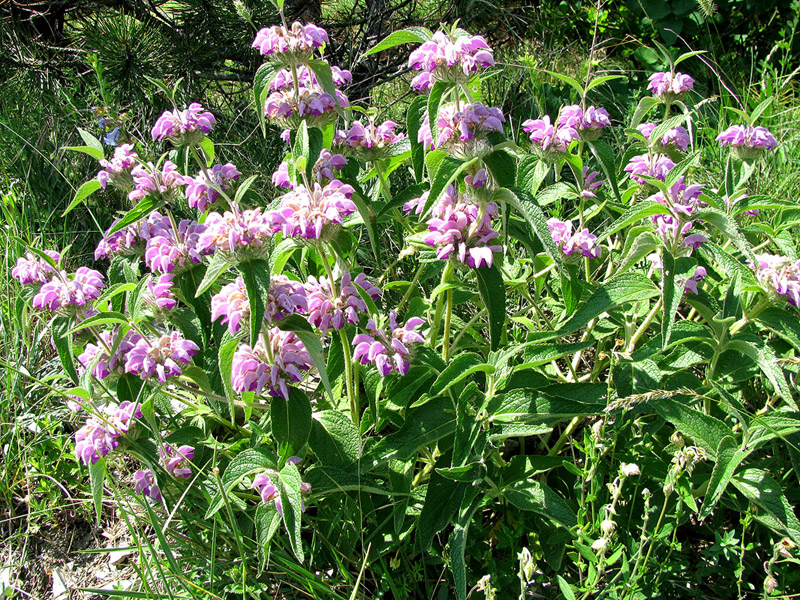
(145, 483)
(203, 189)
(245, 233)
(678, 137)
(569, 243)
(127, 240)
(161, 357)
(161, 289)
(327, 310)
(370, 141)
(97, 356)
(184, 126)
(176, 461)
(588, 124)
(232, 306)
(447, 59)
(290, 46)
(463, 230)
(690, 285)
(259, 367)
(591, 183)
(782, 274)
(70, 291)
(462, 131)
(548, 140)
(670, 86)
(99, 437)
(163, 184)
(655, 165)
(316, 213)
(318, 108)
(747, 142)
(167, 252)
(117, 171)
(305, 78)
(388, 350)
(32, 269)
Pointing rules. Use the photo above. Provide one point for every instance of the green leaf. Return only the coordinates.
(86, 190)
(313, 344)
(728, 227)
(601, 80)
(502, 166)
(396, 38)
(676, 272)
(103, 318)
(442, 501)
(324, 76)
(334, 439)
(493, 295)
(763, 491)
(458, 543)
(446, 170)
(423, 425)
(416, 114)
(759, 110)
(605, 156)
(268, 519)
(568, 80)
(729, 457)
(255, 274)
(628, 287)
(524, 204)
(219, 264)
(565, 588)
(226, 352)
(292, 503)
(439, 89)
(291, 421)
(642, 244)
(243, 188)
(641, 210)
(663, 127)
(536, 497)
(531, 173)
(145, 206)
(783, 323)
(459, 369)
(706, 431)
(207, 146)
(645, 105)
(63, 344)
(97, 475)
(765, 358)
(93, 152)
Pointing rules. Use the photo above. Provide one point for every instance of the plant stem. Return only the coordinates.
(447, 318)
(644, 326)
(352, 394)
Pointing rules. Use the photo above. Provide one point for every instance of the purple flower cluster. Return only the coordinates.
(176, 460)
(316, 213)
(32, 269)
(318, 108)
(782, 274)
(670, 86)
(462, 131)
(388, 350)
(290, 46)
(248, 231)
(587, 123)
(747, 142)
(370, 141)
(650, 165)
(683, 201)
(322, 170)
(96, 356)
(184, 126)
(161, 357)
(167, 252)
(677, 137)
(70, 291)
(99, 437)
(269, 366)
(126, 240)
(328, 310)
(305, 78)
(232, 306)
(591, 183)
(447, 59)
(568, 243)
(149, 181)
(161, 290)
(269, 492)
(145, 483)
(549, 141)
(203, 189)
(117, 171)
(463, 230)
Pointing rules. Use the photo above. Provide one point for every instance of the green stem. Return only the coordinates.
(352, 394)
(645, 325)
(447, 318)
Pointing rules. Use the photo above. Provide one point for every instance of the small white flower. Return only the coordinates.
(629, 469)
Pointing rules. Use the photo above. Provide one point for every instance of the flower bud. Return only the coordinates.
(600, 544)
(629, 469)
(607, 526)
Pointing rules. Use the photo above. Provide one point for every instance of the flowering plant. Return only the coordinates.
(345, 341)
